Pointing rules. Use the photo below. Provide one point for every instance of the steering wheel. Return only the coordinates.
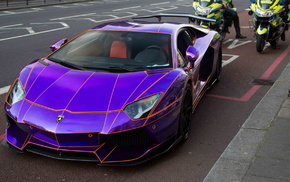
(160, 49)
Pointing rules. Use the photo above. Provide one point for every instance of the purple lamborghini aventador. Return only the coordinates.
(117, 94)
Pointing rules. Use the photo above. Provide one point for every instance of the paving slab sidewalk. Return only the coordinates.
(260, 152)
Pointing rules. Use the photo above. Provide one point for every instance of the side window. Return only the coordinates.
(185, 38)
(181, 60)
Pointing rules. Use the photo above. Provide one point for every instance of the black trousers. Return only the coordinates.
(231, 16)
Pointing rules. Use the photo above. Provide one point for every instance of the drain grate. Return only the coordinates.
(262, 82)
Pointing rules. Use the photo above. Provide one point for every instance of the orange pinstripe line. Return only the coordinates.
(40, 95)
(59, 149)
(51, 85)
(151, 86)
(96, 132)
(35, 79)
(26, 141)
(108, 154)
(78, 90)
(112, 122)
(29, 74)
(92, 112)
(112, 93)
(95, 152)
(10, 89)
(126, 102)
(139, 156)
(161, 111)
(146, 124)
(134, 92)
(69, 104)
(153, 109)
(14, 145)
(42, 141)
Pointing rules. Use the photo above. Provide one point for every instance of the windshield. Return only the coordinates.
(265, 4)
(116, 51)
(205, 3)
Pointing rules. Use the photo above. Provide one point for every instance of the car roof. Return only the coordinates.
(142, 26)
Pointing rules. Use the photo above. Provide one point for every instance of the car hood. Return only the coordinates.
(88, 101)
(59, 88)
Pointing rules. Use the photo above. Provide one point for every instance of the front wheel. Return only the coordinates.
(260, 43)
(218, 66)
(185, 113)
(223, 36)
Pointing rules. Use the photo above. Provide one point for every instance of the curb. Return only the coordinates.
(234, 162)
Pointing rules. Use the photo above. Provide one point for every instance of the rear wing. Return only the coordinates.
(190, 17)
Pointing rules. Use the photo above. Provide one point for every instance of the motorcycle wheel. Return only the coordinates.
(274, 43)
(223, 36)
(260, 43)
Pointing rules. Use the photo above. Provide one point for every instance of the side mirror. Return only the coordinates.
(58, 44)
(250, 12)
(192, 54)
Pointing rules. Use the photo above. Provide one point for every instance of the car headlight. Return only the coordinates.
(262, 13)
(17, 93)
(141, 108)
(203, 11)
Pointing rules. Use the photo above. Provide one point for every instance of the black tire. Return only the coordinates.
(185, 114)
(218, 67)
(223, 36)
(261, 42)
(274, 43)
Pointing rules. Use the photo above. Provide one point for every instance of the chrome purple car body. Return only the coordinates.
(110, 109)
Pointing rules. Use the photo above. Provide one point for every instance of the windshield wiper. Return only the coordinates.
(115, 68)
(67, 64)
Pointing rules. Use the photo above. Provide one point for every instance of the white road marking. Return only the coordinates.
(156, 4)
(122, 9)
(4, 90)
(231, 59)
(81, 4)
(75, 16)
(31, 32)
(159, 9)
(62, 6)
(236, 43)
(32, 10)
(16, 26)
(111, 17)
(9, 26)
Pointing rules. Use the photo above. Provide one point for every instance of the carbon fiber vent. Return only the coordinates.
(129, 138)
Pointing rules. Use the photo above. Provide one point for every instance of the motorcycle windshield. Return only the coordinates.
(205, 3)
(265, 4)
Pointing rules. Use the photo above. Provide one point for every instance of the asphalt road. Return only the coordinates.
(26, 34)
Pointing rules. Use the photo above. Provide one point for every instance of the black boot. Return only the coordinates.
(283, 36)
(238, 29)
(240, 36)
(226, 29)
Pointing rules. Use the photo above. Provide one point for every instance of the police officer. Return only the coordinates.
(231, 15)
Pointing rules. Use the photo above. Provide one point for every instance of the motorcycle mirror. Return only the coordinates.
(250, 12)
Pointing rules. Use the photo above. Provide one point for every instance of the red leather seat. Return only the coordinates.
(118, 49)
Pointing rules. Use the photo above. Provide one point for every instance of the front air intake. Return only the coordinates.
(129, 138)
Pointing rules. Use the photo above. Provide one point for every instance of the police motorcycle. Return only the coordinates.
(268, 22)
(212, 9)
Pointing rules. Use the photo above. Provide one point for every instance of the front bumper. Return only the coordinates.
(92, 157)
(124, 148)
